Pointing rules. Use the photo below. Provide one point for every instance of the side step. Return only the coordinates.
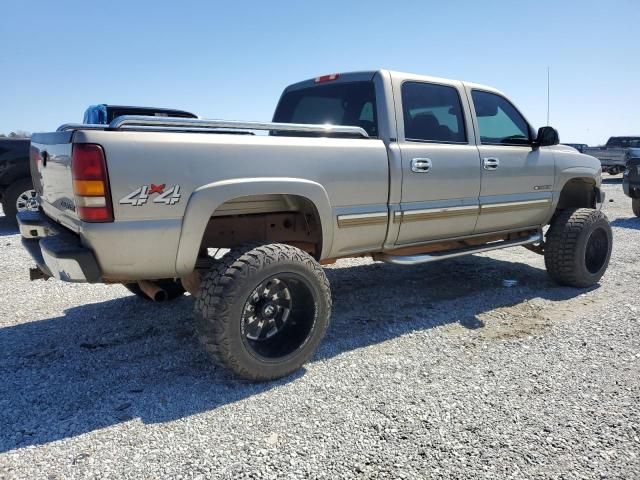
(444, 255)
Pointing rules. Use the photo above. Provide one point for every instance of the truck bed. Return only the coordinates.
(355, 171)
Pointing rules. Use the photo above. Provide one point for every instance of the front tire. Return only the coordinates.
(262, 311)
(578, 247)
(635, 206)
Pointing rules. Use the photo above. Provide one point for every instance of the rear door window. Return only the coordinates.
(349, 104)
(432, 113)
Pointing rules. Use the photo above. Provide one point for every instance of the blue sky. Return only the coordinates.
(231, 59)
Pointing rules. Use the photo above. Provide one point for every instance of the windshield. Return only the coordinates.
(349, 104)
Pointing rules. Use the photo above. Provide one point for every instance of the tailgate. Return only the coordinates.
(51, 173)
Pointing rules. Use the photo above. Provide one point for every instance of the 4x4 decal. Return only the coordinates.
(140, 195)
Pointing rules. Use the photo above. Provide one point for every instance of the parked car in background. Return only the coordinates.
(614, 154)
(578, 146)
(631, 180)
(16, 189)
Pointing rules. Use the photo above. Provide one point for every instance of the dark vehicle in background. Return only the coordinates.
(578, 146)
(16, 190)
(103, 114)
(614, 154)
(631, 181)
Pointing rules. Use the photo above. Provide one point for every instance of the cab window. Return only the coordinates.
(498, 120)
(432, 113)
(349, 103)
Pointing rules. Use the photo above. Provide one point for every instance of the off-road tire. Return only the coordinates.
(635, 206)
(11, 195)
(578, 247)
(224, 295)
(173, 288)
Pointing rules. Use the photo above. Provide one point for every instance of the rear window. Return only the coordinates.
(349, 104)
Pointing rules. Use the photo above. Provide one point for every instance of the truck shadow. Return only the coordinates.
(7, 227)
(124, 359)
(613, 180)
(632, 222)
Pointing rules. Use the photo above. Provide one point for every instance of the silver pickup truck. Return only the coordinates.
(615, 154)
(405, 168)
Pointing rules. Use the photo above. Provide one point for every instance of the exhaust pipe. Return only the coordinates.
(153, 290)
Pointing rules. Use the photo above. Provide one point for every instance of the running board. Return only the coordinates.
(434, 257)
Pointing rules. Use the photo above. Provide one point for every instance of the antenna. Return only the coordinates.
(548, 90)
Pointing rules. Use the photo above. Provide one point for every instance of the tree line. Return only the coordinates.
(16, 134)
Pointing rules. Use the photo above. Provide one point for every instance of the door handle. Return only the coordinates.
(490, 163)
(421, 165)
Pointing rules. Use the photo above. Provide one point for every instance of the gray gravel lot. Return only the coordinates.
(435, 371)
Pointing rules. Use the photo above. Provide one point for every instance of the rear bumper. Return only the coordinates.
(57, 251)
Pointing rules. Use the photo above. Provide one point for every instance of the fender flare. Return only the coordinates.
(565, 176)
(205, 200)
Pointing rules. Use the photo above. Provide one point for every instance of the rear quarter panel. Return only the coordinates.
(354, 173)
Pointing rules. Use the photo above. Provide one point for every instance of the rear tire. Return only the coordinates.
(262, 311)
(173, 288)
(21, 191)
(635, 206)
(578, 247)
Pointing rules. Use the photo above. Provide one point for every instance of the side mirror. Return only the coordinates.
(546, 136)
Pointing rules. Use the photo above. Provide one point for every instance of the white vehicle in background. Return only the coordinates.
(614, 154)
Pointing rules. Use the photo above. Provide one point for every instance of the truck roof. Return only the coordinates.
(367, 75)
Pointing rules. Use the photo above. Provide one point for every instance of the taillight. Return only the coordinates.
(327, 78)
(91, 183)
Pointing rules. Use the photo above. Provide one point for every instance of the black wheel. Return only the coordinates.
(578, 247)
(635, 206)
(173, 288)
(262, 311)
(19, 197)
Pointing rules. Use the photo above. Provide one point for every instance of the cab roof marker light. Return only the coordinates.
(327, 78)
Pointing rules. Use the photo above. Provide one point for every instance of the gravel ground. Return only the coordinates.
(428, 371)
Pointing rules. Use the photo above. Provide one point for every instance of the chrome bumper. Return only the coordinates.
(57, 251)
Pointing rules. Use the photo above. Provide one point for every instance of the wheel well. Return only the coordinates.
(578, 193)
(280, 218)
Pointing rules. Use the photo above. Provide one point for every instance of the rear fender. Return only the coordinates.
(205, 200)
